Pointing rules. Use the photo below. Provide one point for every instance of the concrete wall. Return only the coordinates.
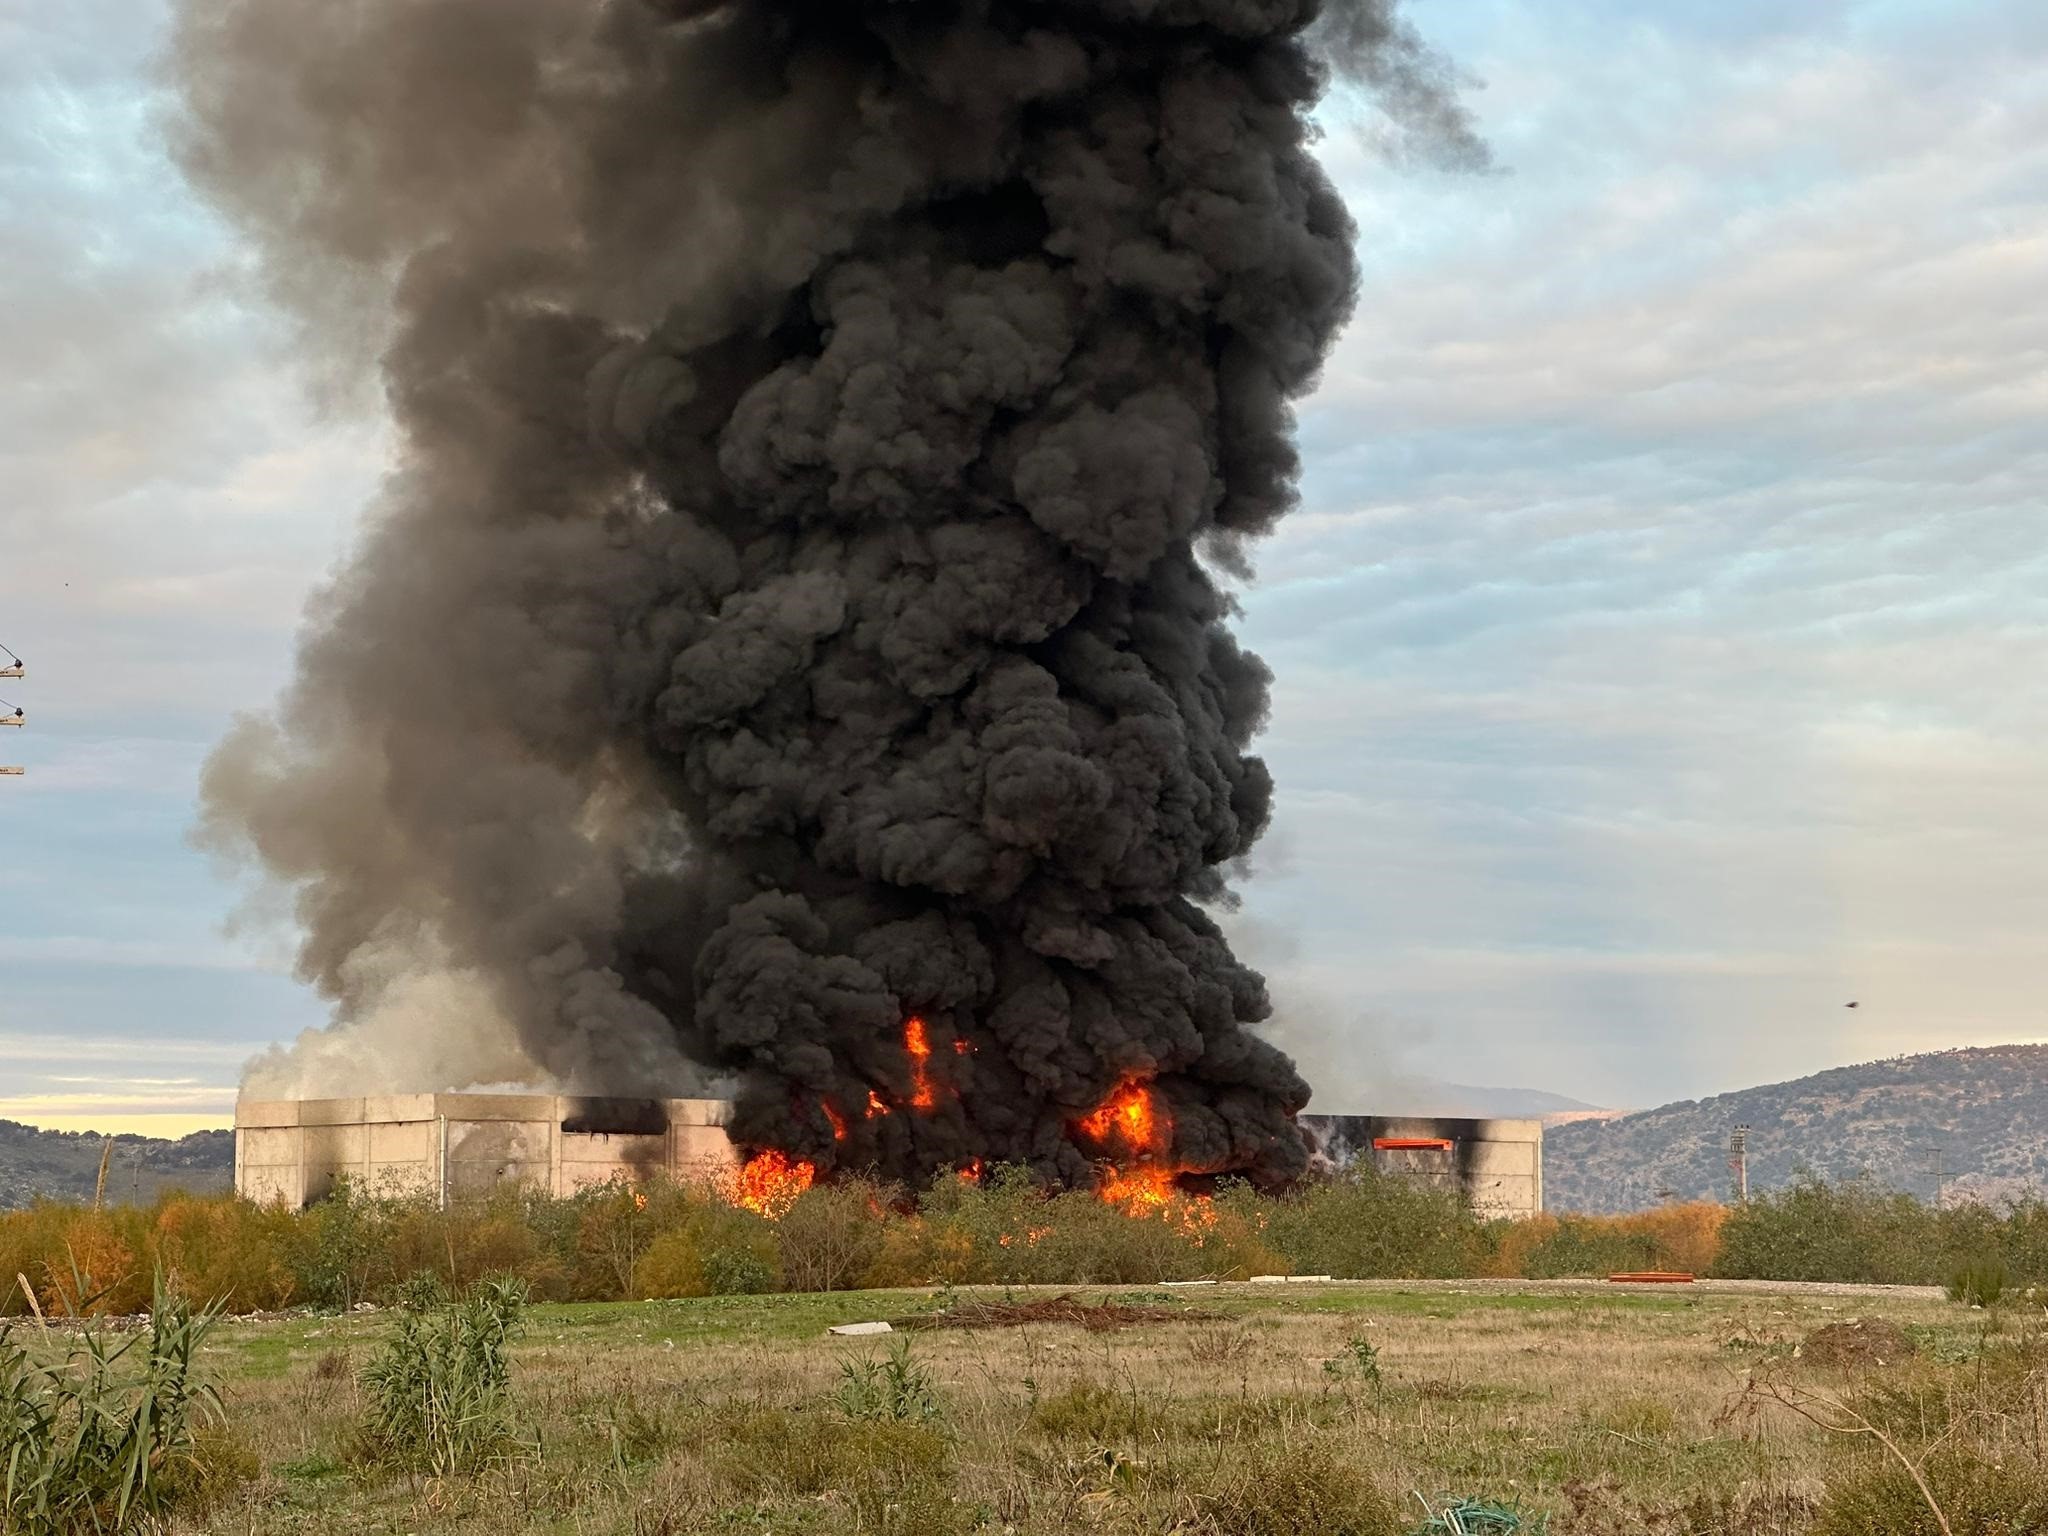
(1496, 1164)
(292, 1150)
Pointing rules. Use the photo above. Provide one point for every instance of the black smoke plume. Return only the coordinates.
(790, 612)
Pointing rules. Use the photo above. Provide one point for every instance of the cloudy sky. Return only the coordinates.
(1662, 646)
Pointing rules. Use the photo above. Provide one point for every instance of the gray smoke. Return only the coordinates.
(789, 614)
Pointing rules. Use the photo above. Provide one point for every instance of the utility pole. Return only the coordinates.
(1738, 1161)
(11, 714)
(1937, 1166)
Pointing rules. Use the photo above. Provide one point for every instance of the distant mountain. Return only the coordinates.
(1512, 1103)
(1967, 1124)
(1433, 1096)
(65, 1164)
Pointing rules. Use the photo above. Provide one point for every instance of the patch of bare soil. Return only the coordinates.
(1861, 1341)
(1103, 1317)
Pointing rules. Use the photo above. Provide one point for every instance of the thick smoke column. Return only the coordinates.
(785, 621)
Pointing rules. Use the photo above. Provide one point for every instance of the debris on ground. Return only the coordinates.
(1859, 1341)
(1478, 1517)
(861, 1330)
(1288, 1279)
(1102, 1317)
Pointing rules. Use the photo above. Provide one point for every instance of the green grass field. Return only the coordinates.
(1289, 1409)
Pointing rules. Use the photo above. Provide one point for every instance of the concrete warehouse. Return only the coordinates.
(458, 1145)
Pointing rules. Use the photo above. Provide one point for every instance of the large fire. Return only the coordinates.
(1130, 1118)
(769, 1182)
(1130, 1128)
(1127, 1116)
(923, 1094)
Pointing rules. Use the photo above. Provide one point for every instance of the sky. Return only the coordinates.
(1661, 648)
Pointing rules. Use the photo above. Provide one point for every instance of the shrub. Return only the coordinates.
(736, 1272)
(1301, 1490)
(1091, 1411)
(713, 1250)
(109, 1434)
(441, 1390)
(1978, 1282)
(1586, 1245)
(1814, 1230)
(224, 1250)
(1358, 1365)
(893, 1389)
(1368, 1225)
(832, 1234)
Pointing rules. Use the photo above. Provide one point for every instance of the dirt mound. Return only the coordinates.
(1858, 1342)
(1101, 1318)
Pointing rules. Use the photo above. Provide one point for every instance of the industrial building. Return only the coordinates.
(456, 1145)
(1496, 1164)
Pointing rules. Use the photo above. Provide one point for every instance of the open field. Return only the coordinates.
(1290, 1409)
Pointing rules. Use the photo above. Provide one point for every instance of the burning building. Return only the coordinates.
(790, 648)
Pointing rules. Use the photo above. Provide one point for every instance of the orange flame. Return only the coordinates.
(1140, 1191)
(923, 1095)
(769, 1183)
(875, 1105)
(971, 1174)
(1127, 1116)
(838, 1120)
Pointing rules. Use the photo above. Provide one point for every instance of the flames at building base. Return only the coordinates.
(1129, 1135)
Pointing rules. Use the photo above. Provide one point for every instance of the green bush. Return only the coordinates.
(1979, 1282)
(441, 1390)
(737, 1272)
(108, 1434)
(892, 1389)
(1581, 1247)
(1368, 1226)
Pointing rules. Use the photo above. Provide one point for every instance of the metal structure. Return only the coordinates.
(1738, 1160)
(11, 714)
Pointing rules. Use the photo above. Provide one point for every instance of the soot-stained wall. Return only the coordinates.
(458, 1144)
(1497, 1164)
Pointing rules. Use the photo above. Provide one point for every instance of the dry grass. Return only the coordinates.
(1622, 1413)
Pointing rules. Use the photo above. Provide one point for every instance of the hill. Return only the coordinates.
(65, 1164)
(1965, 1124)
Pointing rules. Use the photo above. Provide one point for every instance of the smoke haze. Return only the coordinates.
(790, 613)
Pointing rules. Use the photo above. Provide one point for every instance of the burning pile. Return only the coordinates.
(787, 647)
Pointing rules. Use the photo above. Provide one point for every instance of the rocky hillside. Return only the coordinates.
(64, 1164)
(1962, 1124)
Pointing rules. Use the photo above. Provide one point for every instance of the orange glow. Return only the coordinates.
(1148, 1193)
(1128, 1116)
(1140, 1191)
(961, 1047)
(769, 1183)
(838, 1120)
(875, 1105)
(971, 1174)
(923, 1095)
(1132, 1119)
